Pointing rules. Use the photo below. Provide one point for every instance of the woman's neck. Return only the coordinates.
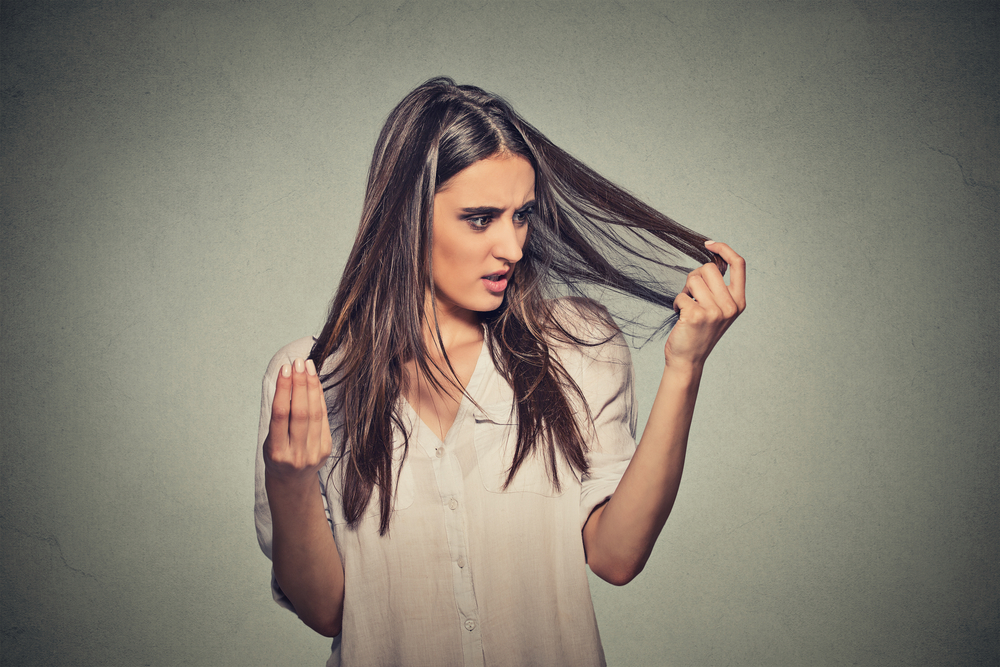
(436, 399)
(458, 327)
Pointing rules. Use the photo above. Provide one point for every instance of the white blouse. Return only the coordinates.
(470, 573)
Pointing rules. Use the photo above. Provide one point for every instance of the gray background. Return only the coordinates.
(181, 184)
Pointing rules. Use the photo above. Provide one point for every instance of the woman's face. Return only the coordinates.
(480, 226)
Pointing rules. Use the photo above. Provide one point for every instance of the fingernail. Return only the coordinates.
(286, 370)
(300, 366)
(709, 242)
(310, 367)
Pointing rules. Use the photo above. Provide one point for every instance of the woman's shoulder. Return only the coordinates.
(583, 319)
(584, 335)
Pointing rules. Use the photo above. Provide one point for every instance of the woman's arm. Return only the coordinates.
(306, 561)
(619, 536)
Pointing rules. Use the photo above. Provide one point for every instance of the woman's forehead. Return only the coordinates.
(507, 179)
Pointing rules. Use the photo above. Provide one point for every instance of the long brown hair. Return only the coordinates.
(584, 231)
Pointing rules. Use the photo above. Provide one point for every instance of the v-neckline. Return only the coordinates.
(471, 389)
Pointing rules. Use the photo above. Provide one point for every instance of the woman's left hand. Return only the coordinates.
(707, 307)
(619, 537)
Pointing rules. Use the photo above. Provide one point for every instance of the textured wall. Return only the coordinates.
(181, 182)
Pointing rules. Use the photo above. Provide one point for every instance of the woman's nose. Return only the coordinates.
(509, 242)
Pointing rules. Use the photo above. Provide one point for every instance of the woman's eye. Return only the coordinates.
(522, 216)
(479, 223)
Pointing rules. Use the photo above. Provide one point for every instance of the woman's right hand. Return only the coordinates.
(307, 564)
(298, 440)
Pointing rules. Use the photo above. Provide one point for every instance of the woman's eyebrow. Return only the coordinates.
(493, 210)
(482, 210)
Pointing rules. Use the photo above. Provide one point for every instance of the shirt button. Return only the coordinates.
(439, 451)
(461, 561)
(453, 504)
(470, 625)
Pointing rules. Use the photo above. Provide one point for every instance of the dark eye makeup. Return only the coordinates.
(480, 217)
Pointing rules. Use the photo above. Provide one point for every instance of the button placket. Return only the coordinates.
(450, 485)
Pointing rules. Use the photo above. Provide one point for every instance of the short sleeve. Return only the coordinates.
(606, 380)
(603, 372)
(262, 512)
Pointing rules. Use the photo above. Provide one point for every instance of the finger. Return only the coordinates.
(720, 290)
(317, 408)
(298, 425)
(699, 289)
(280, 406)
(686, 291)
(683, 301)
(738, 274)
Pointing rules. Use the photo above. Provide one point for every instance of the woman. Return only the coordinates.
(474, 447)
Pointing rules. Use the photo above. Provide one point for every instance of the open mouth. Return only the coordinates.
(496, 282)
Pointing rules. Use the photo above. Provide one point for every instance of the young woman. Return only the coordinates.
(434, 494)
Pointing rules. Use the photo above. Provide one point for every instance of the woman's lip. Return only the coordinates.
(496, 286)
